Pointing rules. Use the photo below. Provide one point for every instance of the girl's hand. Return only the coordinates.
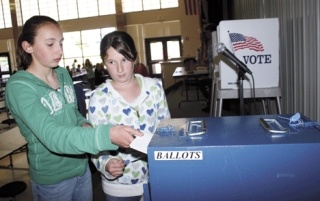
(115, 167)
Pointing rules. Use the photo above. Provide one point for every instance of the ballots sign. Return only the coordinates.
(178, 155)
(255, 42)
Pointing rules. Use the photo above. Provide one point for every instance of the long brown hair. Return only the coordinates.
(28, 34)
(122, 42)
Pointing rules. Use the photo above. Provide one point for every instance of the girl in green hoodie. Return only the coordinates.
(42, 100)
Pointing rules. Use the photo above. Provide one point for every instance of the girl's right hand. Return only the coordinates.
(123, 135)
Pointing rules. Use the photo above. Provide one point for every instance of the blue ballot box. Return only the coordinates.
(236, 159)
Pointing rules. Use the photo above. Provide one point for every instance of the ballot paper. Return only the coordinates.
(141, 143)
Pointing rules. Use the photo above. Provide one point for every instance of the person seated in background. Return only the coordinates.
(78, 70)
(74, 67)
(189, 64)
(141, 69)
(90, 74)
(126, 99)
(100, 74)
(69, 70)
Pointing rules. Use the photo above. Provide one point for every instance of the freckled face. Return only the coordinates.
(120, 69)
(47, 49)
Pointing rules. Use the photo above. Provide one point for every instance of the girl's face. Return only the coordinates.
(47, 49)
(120, 69)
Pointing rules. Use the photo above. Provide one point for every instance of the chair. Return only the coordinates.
(81, 97)
(141, 69)
(3, 108)
(9, 119)
(12, 189)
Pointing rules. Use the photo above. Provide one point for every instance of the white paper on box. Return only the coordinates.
(141, 143)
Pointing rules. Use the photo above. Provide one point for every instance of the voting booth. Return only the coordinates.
(255, 42)
(236, 159)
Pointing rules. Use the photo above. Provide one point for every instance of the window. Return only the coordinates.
(5, 16)
(156, 51)
(5, 67)
(169, 4)
(82, 45)
(131, 5)
(162, 49)
(91, 45)
(29, 9)
(74, 9)
(151, 4)
(49, 8)
(87, 8)
(60, 10)
(140, 5)
(107, 7)
(5, 71)
(72, 44)
(105, 31)
(173, 47)
(67, 9)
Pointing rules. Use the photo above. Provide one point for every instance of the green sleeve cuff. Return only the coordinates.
(102, 140)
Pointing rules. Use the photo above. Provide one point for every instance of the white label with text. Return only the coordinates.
(178, 155)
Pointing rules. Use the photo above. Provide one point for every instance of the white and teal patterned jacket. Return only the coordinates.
(108, 107)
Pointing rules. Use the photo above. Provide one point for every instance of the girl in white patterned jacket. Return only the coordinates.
(126, 99)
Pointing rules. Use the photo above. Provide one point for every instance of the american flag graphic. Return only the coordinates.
(240, 41)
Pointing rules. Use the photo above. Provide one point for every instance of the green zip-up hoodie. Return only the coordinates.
(51, 124)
